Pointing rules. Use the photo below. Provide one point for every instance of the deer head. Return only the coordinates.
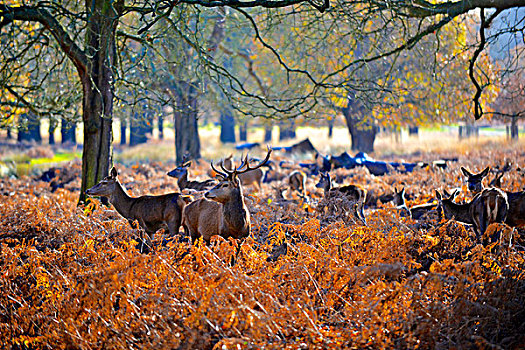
(230, 185)
(106, 187)
(475, 180)
(325, 182)
(181, 170)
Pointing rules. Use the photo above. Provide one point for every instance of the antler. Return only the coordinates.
(220, 173)
(246, 163)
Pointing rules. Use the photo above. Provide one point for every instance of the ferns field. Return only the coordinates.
(307, 277)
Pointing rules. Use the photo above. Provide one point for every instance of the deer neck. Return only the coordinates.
(182, 181)
(121, 201)
(327, 187)
(461, 212)
(235, 214)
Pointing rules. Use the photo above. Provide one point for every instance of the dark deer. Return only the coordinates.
(151, 212)
(181, 173)
(223, 210)
(351, 192)
(487, 207)
(516, 200)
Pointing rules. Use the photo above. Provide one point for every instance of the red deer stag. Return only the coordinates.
(516, 200)
(151, 212)
(223, 210)
(351, 192)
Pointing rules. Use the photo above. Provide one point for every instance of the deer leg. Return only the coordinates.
(234, 258)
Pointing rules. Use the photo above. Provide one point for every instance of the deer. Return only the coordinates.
(516, 200)
(487, 207)
(351, 192)
(181, 173)
(417, 212)
(297, 182)
(223, 210)
(251, 177)
(151, 212)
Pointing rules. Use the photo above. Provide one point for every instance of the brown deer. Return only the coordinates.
(487, 207)
(151, 212)
(516, 200)
(475, 180)
(251, 177)
(297, 182)
(417, 212)
(223, 210)
(351, 192)
(181, 173)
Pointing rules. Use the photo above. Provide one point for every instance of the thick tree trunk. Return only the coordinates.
(243, 131)
(68, 132)
(227, 127)
(98, 91)
(362, 132)
(186, 127)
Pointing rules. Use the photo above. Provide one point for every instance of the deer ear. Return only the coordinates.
(466, 172)
(454, 194)
(187, 164)
(485, 172)
(438, 195)
(113, 172)
(445, 192)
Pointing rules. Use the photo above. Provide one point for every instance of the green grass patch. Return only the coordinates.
(57, 158)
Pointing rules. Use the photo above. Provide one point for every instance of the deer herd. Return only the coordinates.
(222, 209)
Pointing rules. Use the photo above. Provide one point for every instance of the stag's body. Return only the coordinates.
(351, 192)
(151, 212)
(223, 210)
(181, 174)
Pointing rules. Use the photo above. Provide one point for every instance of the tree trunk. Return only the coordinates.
(287, 130)
(186, 128)
(161, 127)
(68, 132)
(363, 133)
(227, 127)
(123, 128)
(29, 129)
(413, 130)
(268, 133)
(52, 128)
(514, 130)
(243, 131)
(331, 127)
(98, 91)
(139, 127)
